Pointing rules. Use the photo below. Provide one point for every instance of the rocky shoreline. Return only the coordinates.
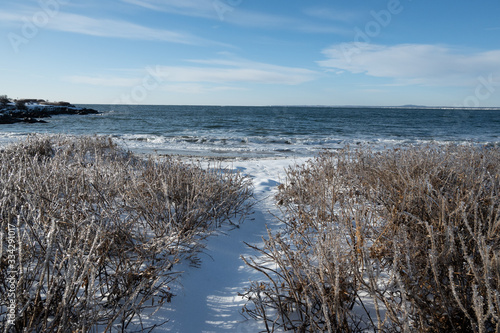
(34, 113)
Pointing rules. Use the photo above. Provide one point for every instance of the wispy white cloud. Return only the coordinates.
(219, 74)
(6, 17)
(413, 63)
(237, 14)
(269, 21)
(119, 29)
(196, 8)
(227, 71)
(227, 75)
(86, 25)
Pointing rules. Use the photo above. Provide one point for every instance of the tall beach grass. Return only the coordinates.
(99, 231)
(403, 240)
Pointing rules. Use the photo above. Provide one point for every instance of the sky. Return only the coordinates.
(252, 52)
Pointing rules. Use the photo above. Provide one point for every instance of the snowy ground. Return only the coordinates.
(207, 296)
(208, 300)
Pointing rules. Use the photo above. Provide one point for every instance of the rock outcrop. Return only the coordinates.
(11, 114)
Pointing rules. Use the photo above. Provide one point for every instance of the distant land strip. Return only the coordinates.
(31, 110)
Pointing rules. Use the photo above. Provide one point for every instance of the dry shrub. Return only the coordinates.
(399, 240)
(98, 230)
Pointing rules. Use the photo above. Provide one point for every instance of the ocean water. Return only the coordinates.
(236, 131)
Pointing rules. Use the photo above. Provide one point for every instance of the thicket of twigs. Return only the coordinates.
(404, 240)
(99, 230)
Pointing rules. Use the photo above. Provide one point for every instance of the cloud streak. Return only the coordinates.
(195, 8)
(412, 63)
(219, 72)
(236, 14)
(80, 24)
(232, 75)
(118, 29)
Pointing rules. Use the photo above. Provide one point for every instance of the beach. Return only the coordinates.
(236, 166)
(158, 184)
(205, 294)
(208, 298)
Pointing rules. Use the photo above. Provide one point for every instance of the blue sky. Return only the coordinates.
(252, 52)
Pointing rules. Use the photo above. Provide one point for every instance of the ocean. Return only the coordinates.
(274, 131)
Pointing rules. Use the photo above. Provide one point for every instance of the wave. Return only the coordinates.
(254, 146)
(261, 145)
(271, 131)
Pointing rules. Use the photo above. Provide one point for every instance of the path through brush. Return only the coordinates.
(208, 300)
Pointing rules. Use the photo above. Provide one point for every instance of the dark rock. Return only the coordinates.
(11, 115)
(7, 119)
(87, 111)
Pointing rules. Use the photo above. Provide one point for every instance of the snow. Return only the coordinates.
(207, 299)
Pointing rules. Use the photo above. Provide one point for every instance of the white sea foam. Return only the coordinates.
(270, 131)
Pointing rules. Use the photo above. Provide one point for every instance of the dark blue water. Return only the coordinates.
(270, 131)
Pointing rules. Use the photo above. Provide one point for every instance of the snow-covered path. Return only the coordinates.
(208, 300)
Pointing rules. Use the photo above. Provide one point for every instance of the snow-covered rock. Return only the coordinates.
(31, 111)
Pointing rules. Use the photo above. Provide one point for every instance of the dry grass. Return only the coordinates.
(99, 230)
(403, 240)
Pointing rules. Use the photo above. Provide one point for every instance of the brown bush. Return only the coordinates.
(400, 240)
(99, 230)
